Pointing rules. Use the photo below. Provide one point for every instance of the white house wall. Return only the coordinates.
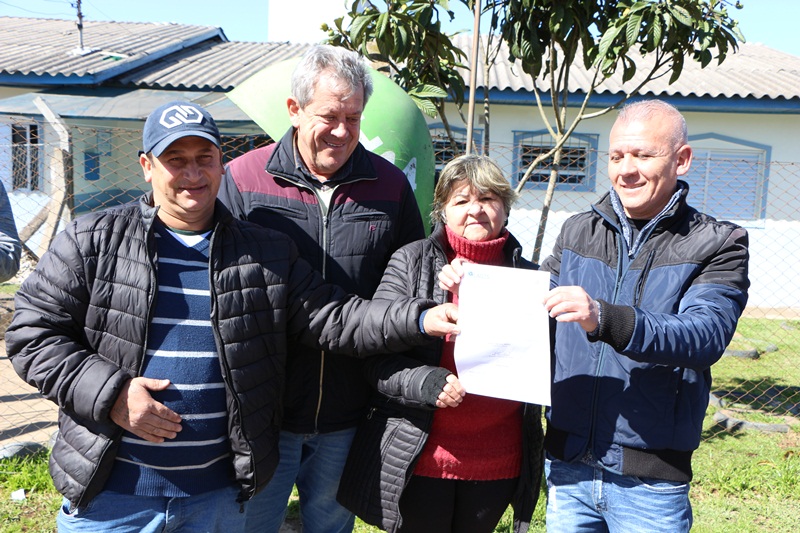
(774, 240)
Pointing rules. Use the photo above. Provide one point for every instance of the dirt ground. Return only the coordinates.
(25, 417)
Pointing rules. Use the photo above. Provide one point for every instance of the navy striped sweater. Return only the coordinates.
(181, 348)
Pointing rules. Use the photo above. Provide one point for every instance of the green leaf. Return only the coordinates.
(681, 15)
(656, 30)
(401, 41)
(426, 106)
(358, 27)
(426, 15)
(705, 58)
(628, 68)
(677, 68)
(632, 29)
(428, 91)
(381, 26)
(608, 39)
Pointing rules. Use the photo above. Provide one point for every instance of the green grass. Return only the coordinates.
(35, 514)
(750, 481)
(771, 383)
(745, 481)
(9, 288)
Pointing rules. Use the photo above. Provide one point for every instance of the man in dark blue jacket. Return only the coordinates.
(648, 292)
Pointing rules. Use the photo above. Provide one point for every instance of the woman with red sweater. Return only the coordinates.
(428, 457)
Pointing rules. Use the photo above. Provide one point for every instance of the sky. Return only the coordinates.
(770, 22)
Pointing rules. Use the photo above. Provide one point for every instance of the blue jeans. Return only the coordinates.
(110, 512)
(314, 463)
(585, 498)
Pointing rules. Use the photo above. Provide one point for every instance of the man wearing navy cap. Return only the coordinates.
(160, 330)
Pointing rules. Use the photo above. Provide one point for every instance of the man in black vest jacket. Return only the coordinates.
(349, 210)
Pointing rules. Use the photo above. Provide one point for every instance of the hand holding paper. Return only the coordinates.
(573, 304)
(503, 349)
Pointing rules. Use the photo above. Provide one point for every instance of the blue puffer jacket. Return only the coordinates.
(636, 399)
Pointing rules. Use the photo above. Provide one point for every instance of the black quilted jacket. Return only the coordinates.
(80, 328)
(393, 433)
(372, 213)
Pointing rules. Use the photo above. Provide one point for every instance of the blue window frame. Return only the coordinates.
(728, 180)
(442, 149)
(96, 149)
(91, 166)
(578, 168)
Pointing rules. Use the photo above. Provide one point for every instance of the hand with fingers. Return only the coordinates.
(441, 320)
(573, 304)
(452, 394)
(451, 274)
(136, 411)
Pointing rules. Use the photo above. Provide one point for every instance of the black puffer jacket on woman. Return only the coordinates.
(396, 427)
(79, 333)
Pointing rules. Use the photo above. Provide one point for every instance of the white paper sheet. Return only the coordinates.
(503, 350)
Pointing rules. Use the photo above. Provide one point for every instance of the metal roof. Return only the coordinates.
(180, 57)
(211, 66)
(754, 71)
(148, 55)
(47, 51)
(82, 103)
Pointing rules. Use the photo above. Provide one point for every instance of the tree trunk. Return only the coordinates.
(548, 200)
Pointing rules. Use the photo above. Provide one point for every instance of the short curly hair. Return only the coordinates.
(482, 174)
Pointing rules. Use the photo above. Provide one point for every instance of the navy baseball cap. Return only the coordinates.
(175, 120)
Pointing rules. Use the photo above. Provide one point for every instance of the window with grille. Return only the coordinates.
(577, 168)
(729, 183)
(443, 150)
(26, 157)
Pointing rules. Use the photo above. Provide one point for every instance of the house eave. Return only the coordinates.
(684, 103)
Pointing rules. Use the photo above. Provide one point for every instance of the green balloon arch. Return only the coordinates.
(392, 126)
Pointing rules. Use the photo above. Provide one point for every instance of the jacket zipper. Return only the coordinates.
(153, 296)
(324, 211)
(603, 346)
(640, 284)
(622, 268)
(223, 361)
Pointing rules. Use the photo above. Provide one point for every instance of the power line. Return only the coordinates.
(35, 12)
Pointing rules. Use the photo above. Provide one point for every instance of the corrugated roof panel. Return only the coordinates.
(180, 57)
(107, 46)
(212, 65)
(754, 71)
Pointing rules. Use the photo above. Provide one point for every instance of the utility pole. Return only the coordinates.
(77, 5)
(473, 73)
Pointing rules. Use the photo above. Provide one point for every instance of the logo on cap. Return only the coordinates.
(176, 115)
(175, 120)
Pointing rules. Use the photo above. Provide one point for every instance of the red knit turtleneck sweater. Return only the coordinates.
(481, 439)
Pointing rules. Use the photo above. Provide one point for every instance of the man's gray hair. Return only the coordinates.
(345, 65)
(647, 109)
